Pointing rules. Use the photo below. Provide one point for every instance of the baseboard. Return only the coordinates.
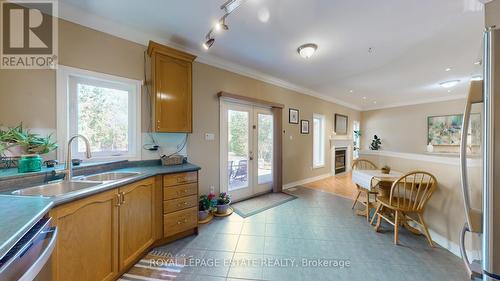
(452, 247)
(306, 181)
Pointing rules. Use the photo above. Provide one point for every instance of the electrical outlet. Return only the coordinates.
(212, 189)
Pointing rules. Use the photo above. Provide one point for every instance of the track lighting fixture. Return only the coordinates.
(228, 7)
(208, 43)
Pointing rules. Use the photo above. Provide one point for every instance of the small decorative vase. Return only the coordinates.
(222, 209)
(30, 163)
(203, 214)
(430, 148)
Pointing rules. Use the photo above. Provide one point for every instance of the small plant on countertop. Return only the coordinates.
(376, 143)
(25, 142)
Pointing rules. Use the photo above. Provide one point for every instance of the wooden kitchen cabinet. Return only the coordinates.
(171, 87)
(87, 243)
(102, 235)
(137, 217)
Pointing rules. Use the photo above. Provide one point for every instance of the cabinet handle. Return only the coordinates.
(181, 180)
(123, 198)
(118, 200)
(182, 204)
(183, 191)
(182, 221)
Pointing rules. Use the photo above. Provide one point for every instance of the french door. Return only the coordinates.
(246, 150)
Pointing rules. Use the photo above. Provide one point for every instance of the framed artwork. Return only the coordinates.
(304, 126)
(293, 116)
(341, 122)
(447, 129)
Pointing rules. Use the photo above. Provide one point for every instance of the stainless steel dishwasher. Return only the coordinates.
(28, 259)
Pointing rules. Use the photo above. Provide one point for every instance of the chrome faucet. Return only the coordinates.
(68, 170)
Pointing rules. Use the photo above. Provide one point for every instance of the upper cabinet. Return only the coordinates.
(171, 78)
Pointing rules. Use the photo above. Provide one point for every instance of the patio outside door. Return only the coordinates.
(246, 150)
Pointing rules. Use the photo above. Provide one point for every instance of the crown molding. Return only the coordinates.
(415, 102)
(73, 14)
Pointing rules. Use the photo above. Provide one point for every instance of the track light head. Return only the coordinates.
(208, 43)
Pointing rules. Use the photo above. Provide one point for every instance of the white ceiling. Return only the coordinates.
(413, 42)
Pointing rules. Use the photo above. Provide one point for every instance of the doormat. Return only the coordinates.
(261, 203)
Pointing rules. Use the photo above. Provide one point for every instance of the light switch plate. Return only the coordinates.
(209, 136)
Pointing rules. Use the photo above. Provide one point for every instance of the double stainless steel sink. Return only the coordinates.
(80, 183)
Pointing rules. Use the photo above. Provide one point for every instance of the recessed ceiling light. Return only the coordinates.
(375, 102)
(307, 50)
(351, 91)
(449, 84)
(364, 98)
(447, 69)
(476, 78)
(449, 91)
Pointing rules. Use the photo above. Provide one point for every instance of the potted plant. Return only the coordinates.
(17, 141)
(376, 143)
(223, 202)
(204, 207)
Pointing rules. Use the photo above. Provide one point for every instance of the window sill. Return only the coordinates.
(318, 166)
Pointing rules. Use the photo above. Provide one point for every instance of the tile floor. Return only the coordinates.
(317, 226)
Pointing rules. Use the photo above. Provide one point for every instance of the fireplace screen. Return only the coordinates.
(340, 160)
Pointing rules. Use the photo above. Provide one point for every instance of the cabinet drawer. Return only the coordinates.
(174, 192)
(180, 221)
(181, 178)
(173, 205)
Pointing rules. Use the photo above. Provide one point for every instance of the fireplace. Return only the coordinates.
(340, 159)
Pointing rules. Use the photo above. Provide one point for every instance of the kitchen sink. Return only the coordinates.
(109, 176)
(56, 189)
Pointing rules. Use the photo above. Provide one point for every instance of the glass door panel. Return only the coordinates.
(238, 149)
(264, 148)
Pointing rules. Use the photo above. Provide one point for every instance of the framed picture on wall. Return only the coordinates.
(446, 130)
(304, 126)
(341, 122)
(293, 116)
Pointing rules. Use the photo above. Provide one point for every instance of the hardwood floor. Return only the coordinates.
(339, 185)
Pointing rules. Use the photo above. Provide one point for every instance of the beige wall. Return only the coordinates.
(29, 96)
(404, 129)
(297, 152)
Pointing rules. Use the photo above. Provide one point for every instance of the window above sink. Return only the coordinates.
(104, 108)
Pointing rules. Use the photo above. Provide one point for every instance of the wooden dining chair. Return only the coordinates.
(363, 164)
(409, 196)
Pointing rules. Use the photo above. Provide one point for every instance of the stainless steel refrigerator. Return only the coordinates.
(485, 221)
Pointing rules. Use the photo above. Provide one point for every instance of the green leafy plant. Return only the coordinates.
(205, 204)
(32, 143)
(224, 199)
(376, 143)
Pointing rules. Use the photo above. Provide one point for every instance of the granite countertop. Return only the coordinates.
(20, 213)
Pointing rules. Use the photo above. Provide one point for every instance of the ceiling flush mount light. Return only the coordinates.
(447, 69)
(307, 50)
(449, 84)
(364, 98)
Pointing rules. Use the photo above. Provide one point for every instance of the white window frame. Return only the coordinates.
(322, 137)
(65, 105)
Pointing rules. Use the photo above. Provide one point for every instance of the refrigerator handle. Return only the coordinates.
(473, 217)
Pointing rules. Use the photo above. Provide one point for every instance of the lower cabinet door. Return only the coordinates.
(137, 216)
(87, 244)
